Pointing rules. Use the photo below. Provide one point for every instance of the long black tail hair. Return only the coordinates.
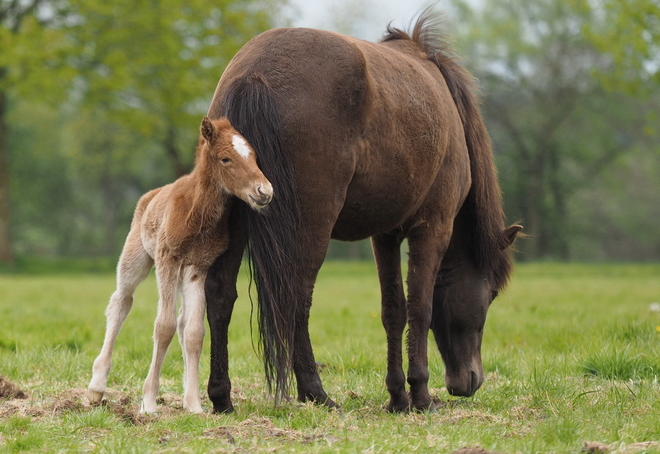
(251, 107)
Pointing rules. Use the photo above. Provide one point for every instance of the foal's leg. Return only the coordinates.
(427, 246)
(164, 329)
(393, 315)
(133, 268)
(191, 335)
(220, 291)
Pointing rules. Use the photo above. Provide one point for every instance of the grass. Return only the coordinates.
(571, 354)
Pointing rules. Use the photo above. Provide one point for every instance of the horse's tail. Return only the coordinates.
(483, 205)
(251, 107)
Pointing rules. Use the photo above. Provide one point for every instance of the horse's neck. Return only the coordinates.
(208, 201)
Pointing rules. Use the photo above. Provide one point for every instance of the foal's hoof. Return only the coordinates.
(94, 397)
(148, 409)
(194, 410)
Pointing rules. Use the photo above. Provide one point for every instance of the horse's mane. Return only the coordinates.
(483, 205)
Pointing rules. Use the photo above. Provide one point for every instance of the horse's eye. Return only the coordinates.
(225, 160)
(494, 294)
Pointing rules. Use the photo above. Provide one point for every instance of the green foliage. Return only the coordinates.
(153, 67)
(559, 136)
(629, 32)
(570, 353)
(104, 101)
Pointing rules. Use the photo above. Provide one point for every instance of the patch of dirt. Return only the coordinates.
(638, 447)
(261, 428)
(595, 447)
(477, 450)
(8, 390)
(71, 400)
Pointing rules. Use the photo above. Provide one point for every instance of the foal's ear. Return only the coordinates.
(207, 129)
(509, 235)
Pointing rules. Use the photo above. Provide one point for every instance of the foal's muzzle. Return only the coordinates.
(262, 195)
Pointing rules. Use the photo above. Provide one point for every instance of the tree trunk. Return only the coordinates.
(6, 255)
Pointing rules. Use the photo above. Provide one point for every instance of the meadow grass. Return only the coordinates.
(571, 354)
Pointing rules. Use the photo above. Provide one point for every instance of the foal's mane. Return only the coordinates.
(483, 205)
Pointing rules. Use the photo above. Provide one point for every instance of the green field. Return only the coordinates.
(571, 354)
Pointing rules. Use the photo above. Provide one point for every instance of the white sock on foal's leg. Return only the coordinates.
(192, 337)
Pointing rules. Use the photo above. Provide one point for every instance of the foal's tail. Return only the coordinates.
(483, 204)
(251, 108)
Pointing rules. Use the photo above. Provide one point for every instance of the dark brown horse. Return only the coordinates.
(359, 139)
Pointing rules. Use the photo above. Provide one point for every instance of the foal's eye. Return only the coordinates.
(225, 160)
(494, 295)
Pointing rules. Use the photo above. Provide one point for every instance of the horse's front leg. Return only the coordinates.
(426, 251)
(393, 315)
(308, 381)
(220, 291)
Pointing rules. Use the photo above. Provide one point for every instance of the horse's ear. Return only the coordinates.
(207, 129)
(510, 234)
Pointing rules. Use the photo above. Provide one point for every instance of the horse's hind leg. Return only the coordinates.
(191, 335)
(133, 268)
(164, 329)
(393, 315)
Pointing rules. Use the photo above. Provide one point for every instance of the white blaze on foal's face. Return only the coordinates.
(241, 146)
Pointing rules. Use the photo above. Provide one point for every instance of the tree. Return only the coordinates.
(629, 33)
(30, 43)
(553, 125)
(153, 66)
(126, 69)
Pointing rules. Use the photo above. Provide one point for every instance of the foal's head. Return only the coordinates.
(228, 159)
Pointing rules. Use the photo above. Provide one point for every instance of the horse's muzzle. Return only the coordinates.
(465, 383)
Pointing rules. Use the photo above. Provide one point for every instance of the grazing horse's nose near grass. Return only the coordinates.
(464, 384)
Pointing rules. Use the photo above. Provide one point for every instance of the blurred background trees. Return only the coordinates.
(570, 98)
(101, 101)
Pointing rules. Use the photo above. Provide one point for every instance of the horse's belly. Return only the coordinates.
(366, 213)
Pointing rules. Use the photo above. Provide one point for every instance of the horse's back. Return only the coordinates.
(367, 124)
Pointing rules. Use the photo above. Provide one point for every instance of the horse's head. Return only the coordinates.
(461, 299)
(230, 160)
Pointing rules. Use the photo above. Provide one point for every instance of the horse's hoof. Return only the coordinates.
(398, 405)
(223, 410)
(331, 404)
(94, 397)
(425, 406)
